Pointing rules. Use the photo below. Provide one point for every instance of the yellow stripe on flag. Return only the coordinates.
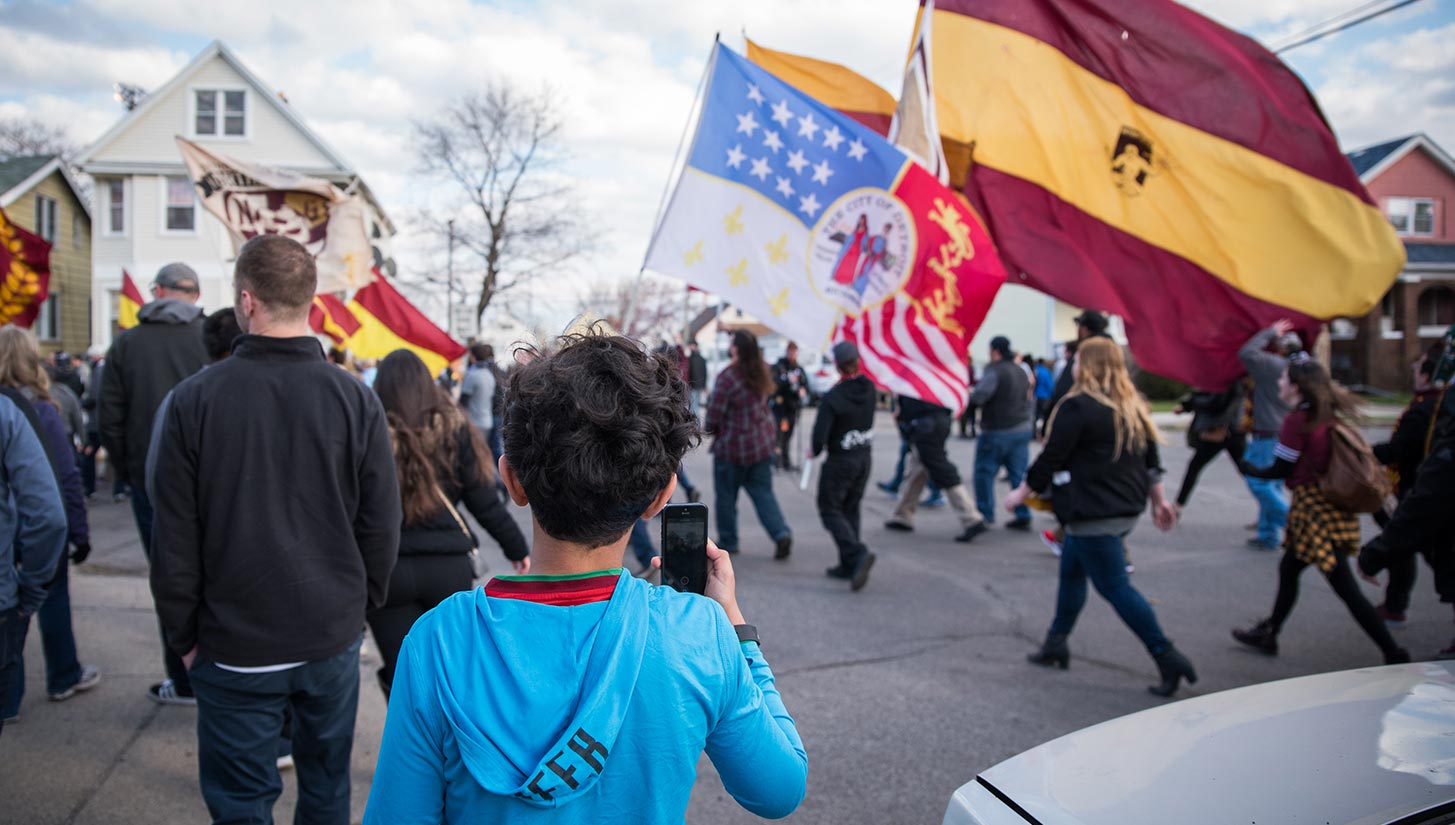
(835, 86)
(374, 340)
(1031, 112)
(126, 313)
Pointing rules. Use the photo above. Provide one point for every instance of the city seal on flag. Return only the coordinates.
(861, 250)
(1131, 161)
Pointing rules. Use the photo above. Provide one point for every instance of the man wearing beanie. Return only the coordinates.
(845, 428)
(1006, 426)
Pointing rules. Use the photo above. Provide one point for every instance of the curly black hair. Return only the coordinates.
(594, 430)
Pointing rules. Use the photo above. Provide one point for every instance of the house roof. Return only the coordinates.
(1371, 161)
(1429, 253)
(19, 175)
(220, 50)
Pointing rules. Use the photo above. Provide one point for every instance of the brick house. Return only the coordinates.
(1413, 181)
(39, 194)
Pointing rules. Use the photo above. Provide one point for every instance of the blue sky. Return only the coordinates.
(360, 71)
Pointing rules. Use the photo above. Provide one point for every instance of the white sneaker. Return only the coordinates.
(90, 677)
(165, 693)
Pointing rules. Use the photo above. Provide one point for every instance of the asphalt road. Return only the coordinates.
(902, 692)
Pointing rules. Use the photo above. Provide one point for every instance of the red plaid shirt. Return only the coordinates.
(740, 421)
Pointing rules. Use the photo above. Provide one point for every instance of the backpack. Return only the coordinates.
(1355, 480)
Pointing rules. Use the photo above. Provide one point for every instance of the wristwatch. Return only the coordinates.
(746, 633)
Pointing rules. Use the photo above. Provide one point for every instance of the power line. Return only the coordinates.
(1338, 18)
(1349, 25)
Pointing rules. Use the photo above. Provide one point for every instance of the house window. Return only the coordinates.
(181, 206)
(77, 237)
(220, 112)
(116, 206)
(45, 218)
(48, 322)
(1437, 307)
(1412, 216)
(1389, 316)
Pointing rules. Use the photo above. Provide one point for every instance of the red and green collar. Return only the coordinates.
(560, 591)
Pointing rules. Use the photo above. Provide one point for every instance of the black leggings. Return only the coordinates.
(1202, 456)
(1341, 578)
(416, 586)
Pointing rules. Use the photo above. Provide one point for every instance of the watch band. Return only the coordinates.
(746, 633)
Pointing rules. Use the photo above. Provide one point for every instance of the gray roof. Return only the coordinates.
(1430, 253)
(1370, 156)
(16, 169)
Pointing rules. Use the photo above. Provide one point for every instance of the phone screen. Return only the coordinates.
(684, 547)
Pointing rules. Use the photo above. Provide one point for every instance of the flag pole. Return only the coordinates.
(672, 174)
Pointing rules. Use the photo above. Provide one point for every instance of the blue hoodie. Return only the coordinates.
(506, 709)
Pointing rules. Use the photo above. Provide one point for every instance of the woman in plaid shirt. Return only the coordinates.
(741, 424)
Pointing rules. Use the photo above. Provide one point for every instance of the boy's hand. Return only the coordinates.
(721, 585)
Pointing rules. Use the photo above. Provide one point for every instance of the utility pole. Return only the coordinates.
(450, 281)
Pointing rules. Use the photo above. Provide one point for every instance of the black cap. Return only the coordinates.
(1001, 344)
(845, 352)
(1092, 320)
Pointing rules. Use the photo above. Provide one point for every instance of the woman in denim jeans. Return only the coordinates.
(1099, 467)
(744, 439)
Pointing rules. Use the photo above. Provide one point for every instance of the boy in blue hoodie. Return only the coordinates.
(580, 693)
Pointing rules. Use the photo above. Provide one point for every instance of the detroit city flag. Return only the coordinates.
(1135, 157)
(813, 223)
(128, 303)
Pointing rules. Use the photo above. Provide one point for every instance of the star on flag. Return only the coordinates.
(857, 149)
(772, 141)
(754, 94)
(796, 161)
(782, 114)
(821, 173)
(761, 170)
(806, 126)
(832, 137)
(747, 123)
(736, 156)
(809, 205)
(785, 187)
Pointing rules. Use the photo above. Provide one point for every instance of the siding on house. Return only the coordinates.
(70, 263)
(1417, 175)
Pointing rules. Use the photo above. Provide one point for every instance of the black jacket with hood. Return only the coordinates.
(440, 534)
(845, 422)
(142, 366)
(1097, 483)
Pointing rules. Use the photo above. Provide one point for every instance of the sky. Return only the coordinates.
(360, 72)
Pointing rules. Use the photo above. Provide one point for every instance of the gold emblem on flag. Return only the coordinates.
(1131, 161)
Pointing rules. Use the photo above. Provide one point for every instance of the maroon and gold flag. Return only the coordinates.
(25, 273)
(1135, 157)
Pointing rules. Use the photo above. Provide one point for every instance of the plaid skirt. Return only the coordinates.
(1319, 532)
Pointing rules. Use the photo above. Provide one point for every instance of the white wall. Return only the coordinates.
(1021, 314)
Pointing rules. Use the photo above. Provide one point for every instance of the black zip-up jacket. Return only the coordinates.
(1405, 449)
(440, 534)
(845, 422)
(277, 508)
(142, 366)
(1101, 485)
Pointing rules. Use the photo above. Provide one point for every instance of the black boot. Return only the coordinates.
(1053, 652)
(1174, 667)
(1261, 637)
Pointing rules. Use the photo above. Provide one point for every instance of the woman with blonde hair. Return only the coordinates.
(22, 374)
(1319, 532)
(1099, 467)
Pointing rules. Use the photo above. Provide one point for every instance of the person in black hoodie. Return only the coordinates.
(1099, 467)
(845, 428)
(1214, 428)
(441, 460)
(277, 525)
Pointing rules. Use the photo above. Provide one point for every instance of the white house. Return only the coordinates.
(145, 211)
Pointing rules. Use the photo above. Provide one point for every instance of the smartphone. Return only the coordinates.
(684, 547)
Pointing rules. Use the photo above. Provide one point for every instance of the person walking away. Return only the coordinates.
(1214, 428)
(696, 377)
(142, 366)
(1320, 533)
(790, 386)
(743, 444)
(1100, 467)
(23, 375)
(1403, 453)
(477, 392)
(936, 497)
(1265, 356)
(1004, 398)
(581, 693)
(926, 427)
(967, 415)
(1045, 386)
(290, 522)
(1089, 324)
(441, 461)
(845, 429)
(32, 534)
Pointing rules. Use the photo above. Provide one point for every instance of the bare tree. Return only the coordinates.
(660, 313)
(503, 151)
(21, 136)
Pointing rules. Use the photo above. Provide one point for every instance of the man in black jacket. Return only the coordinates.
(1089, 324)
(845, 427)
(696, 376)
(277, 526)
(1007, 422)
(790, 387)
(142, 366)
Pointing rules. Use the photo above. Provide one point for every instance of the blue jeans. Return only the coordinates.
(141, 509)
(757, 479)
(640, 542)
(683, 480)
(62, 669)
(12, 649)
(993, 451)
(1102, 559)
(1272, 501)
(240, 717)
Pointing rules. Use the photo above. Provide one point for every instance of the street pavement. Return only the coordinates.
(901, 692)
